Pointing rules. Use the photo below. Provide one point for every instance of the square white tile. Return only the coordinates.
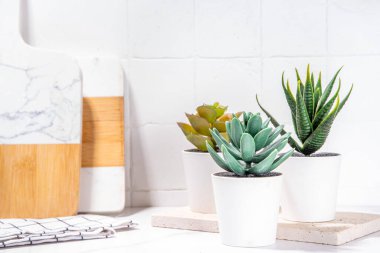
(227, 28)
(161, 28)
(232, 82)
(157, 158)
(294, 27)
(353, 27)
(160, 90)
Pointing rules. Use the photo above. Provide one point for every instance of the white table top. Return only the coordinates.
(149, 239)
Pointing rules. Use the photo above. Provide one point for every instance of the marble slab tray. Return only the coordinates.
(346, 227)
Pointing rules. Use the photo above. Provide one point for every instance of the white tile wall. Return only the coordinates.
(180, 53)
(294, 27)
(227, 28)
(353, 27)
(219, 79)
(159, 86)
(161, 28)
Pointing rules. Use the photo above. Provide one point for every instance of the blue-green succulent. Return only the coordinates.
(253, 148)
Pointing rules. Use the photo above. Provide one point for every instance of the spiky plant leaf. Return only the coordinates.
(279, 160)
(263, 166)
(304, 126)
(319, 135)
(327, 92)
(228, 116)
(302, 86)
(308, 95)
(317, 96)
(219, 161)
(232, 163)
(247, 147)
(345, 99)
(322, 113)
(199, 141)
(262, 137)
(293, 143)
(289, 96)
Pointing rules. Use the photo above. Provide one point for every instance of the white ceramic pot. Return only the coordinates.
(247, 209)
(310, 188)
(198, 169)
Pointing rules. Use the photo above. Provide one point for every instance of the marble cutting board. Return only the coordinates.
(346, 227)
(103, 165)
(40, 125)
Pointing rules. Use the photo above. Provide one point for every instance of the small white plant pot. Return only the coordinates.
(310, 187)
(247, 209)
(199, 167)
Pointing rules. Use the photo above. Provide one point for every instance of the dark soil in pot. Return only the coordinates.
(322, 154)
(230, 174)
(194, 150)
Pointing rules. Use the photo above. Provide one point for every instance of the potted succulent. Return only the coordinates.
(247, 194)
(197, 163)
(310, 178)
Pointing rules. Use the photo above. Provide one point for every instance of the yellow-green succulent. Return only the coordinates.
(206, 117)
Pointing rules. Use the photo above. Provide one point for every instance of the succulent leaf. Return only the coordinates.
(345, 99)
(254, 125)
(308, 95)
(207, 112)
(322, 113)
(247, 147)
(279, 160)
(262, 137)
(263, 166)
(186, 128)
(219, 161)
(200, 124)
(304, 126)
(236, 132)
(199, 141)
(220, 125)
(316, 140)
(293, 143)
(274, 134)
(266, 151)
(232, 163)
(327, 92)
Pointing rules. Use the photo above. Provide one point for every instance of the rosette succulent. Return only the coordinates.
(253, 148)
(313, 111)
(206, 117)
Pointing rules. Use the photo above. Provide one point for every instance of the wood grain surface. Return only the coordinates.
(103, 131)
(39, 180)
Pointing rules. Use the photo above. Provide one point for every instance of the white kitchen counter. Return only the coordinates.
(149, 239)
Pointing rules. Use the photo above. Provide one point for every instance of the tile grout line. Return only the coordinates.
(129, 145)
(261, 25)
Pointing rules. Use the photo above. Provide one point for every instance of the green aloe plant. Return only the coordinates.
(206, 117)
(253, 148)
(313, 110)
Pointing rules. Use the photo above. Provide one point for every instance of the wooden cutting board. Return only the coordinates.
(346, 227)
(40, 126)
(103, 173)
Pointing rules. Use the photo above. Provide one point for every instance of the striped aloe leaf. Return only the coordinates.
(312, 110)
